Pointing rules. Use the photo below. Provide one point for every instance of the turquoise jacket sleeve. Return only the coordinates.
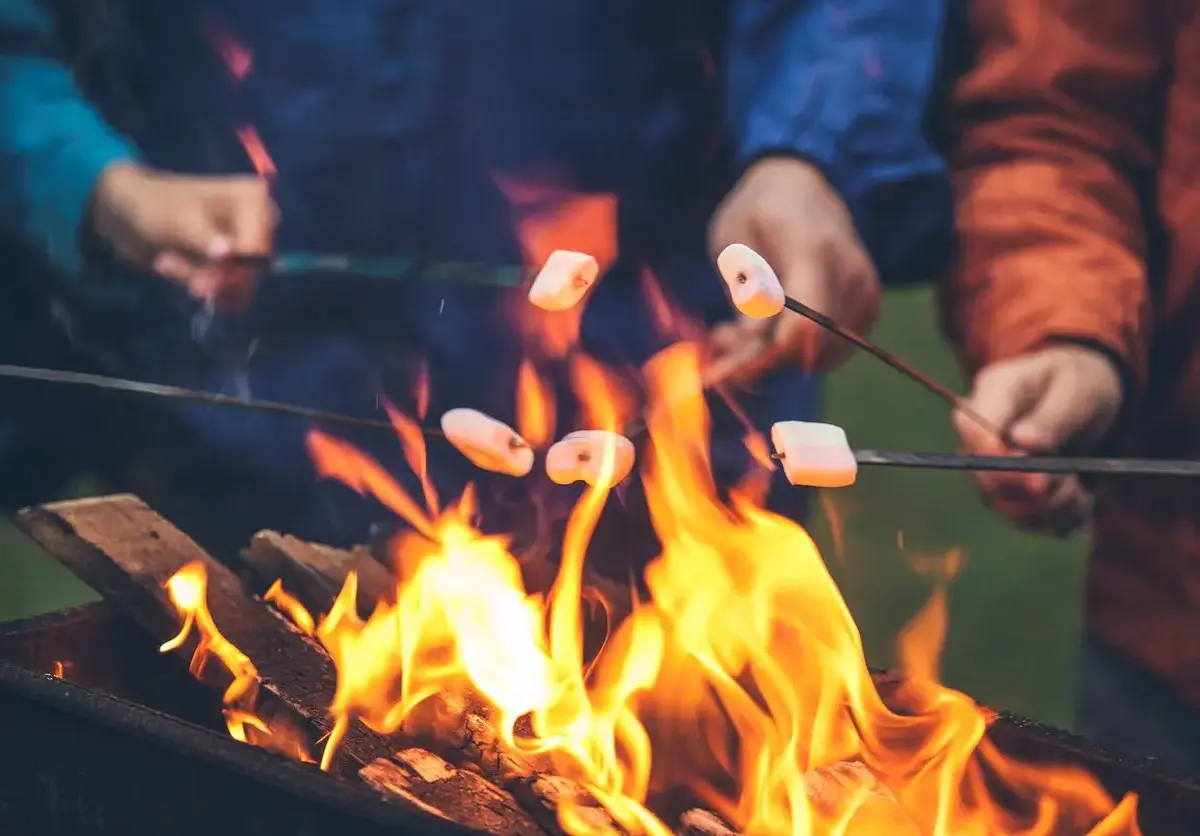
(53, 143)
(847, 84)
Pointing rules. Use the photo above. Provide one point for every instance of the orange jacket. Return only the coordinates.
(1077, 179)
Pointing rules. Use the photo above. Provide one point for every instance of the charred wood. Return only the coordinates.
(430, 783)
(126, 552)
(314, 573)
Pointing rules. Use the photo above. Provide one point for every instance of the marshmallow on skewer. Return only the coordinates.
(753, 285)
(563, 280)
(814, 455)
(579, 457)
(488, 443)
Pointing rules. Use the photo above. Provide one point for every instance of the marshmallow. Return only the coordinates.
(563, 280)
(579, 457)
(488, 443)
(815, 455)
(755, 288)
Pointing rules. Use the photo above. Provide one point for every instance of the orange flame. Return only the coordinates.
(535, 407)
(739, 680)
(257, 152)
(740, 675)
(292, 608)
(187, 590)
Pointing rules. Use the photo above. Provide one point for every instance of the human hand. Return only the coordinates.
(785, 210)
(184, 227)
(1062, 395)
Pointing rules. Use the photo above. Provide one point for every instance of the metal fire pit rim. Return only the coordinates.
(164, 730)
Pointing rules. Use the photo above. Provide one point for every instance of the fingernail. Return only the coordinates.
(161, 264)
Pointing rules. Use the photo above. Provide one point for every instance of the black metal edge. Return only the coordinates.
(344, 795)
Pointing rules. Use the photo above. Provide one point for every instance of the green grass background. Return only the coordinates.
(1014, 607)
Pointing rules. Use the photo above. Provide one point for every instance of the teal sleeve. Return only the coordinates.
(53, 143)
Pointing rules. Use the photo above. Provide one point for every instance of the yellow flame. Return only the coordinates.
(740, 680)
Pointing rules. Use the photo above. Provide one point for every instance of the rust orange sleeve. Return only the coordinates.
(1052, 128)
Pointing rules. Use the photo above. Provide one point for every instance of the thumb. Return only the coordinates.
(1061, 415)
(1001, 395)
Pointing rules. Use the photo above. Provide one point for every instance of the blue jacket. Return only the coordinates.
(387, 122)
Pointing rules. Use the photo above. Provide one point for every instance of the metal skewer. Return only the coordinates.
(866, 458)
(297, 263)
(931, 384)
(1070, 465)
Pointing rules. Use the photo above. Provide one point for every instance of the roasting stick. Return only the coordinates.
(867, 458)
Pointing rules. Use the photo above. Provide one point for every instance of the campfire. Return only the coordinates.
(729, 696)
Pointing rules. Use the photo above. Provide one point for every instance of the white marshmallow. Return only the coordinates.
(579, 457)
(814, 455)
(563, 280)
(488, 443)
(753, 285)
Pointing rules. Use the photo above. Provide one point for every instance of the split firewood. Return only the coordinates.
(531, 780)
(126, 552)
(834, 790)
(875, 808)
(429, 782)
(471, 741)
(315, 573)
(703, 823)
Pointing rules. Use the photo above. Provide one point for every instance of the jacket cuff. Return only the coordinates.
(61, 209)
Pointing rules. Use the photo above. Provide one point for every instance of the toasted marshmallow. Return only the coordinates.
(563, 280)
(488, 443)
(814, 455)
(755, 288)
(579, 457)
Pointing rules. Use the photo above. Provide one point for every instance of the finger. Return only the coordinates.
(1061, 513)
(1002, 394)
(1061, 415)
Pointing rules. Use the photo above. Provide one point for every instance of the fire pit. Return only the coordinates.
(444, 684)
(105, 735)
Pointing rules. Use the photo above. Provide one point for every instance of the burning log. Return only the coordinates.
(847, 796)
(315, 573)
(428, 782)
(849, 791)
(472, 741)
(703, 823)
(126, 552)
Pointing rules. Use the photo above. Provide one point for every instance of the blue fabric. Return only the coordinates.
(388, 123)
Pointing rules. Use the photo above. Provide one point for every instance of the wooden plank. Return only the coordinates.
(314, 573)
(428, 782)
(126, 552)
(703, 823)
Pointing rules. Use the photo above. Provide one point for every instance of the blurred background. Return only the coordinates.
(1014, 607)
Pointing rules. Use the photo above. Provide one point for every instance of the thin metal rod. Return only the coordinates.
(1070, 465)
(402, 270)
(97, 381)
(866, 458)
(930, 383)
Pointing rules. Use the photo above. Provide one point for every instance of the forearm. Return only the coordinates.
(53, 143)
(1051, 150)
